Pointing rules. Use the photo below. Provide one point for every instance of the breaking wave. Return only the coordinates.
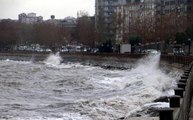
(35, 91)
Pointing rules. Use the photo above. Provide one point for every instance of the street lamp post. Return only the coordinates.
(189, 45)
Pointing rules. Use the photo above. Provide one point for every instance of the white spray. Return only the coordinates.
(53, 59)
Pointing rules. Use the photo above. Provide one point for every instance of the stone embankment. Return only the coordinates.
(37, 56)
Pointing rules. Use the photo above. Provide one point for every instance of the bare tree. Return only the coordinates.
(25, 33)
(8, 34)
(86, 29)
(141, 26)
(48, 35)
(167, 25)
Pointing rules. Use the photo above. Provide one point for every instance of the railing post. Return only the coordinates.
(184, 77)
(182, 85)
(186, 72)
(174, 101)
(166, 114)
(179, 91)
(183, 80)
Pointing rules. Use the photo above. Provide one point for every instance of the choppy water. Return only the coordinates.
(49, 90)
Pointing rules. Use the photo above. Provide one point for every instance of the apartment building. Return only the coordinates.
(120, 23)
(105, 17)
(120, 17)
(134, 15)
(30, 18)
(68, 22)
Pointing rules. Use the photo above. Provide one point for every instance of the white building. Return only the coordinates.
(30, 18)
(68, 22)
(53, 21)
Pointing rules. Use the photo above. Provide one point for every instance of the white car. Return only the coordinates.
(64, 50)
(48, 50)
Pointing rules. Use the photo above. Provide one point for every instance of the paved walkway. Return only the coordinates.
(191, 111)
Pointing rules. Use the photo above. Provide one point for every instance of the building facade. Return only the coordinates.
(105, 15)
(171, 16)
(30, 18)
(140, 17)
(124, 17)
(69, 22)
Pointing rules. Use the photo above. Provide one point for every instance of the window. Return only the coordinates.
(128, 1)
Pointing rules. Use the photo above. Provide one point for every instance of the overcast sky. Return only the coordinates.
(45, 8)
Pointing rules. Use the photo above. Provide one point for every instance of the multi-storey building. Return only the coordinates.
(68, 22)
(120, 17)
(139, 16)
(171, 16)
(105, 17)
(170, 6)
(120, 23)
(30, 18)
(134, 15)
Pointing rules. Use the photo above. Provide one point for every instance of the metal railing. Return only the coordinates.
(180, 103)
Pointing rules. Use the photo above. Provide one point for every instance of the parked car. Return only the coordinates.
(78, 49)
(64, 50)
(48, 50)
(150, 51)
(179, 51)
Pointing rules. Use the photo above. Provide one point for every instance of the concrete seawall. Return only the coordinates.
(176, 61)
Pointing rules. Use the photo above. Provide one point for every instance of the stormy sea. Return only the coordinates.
(55, 90)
